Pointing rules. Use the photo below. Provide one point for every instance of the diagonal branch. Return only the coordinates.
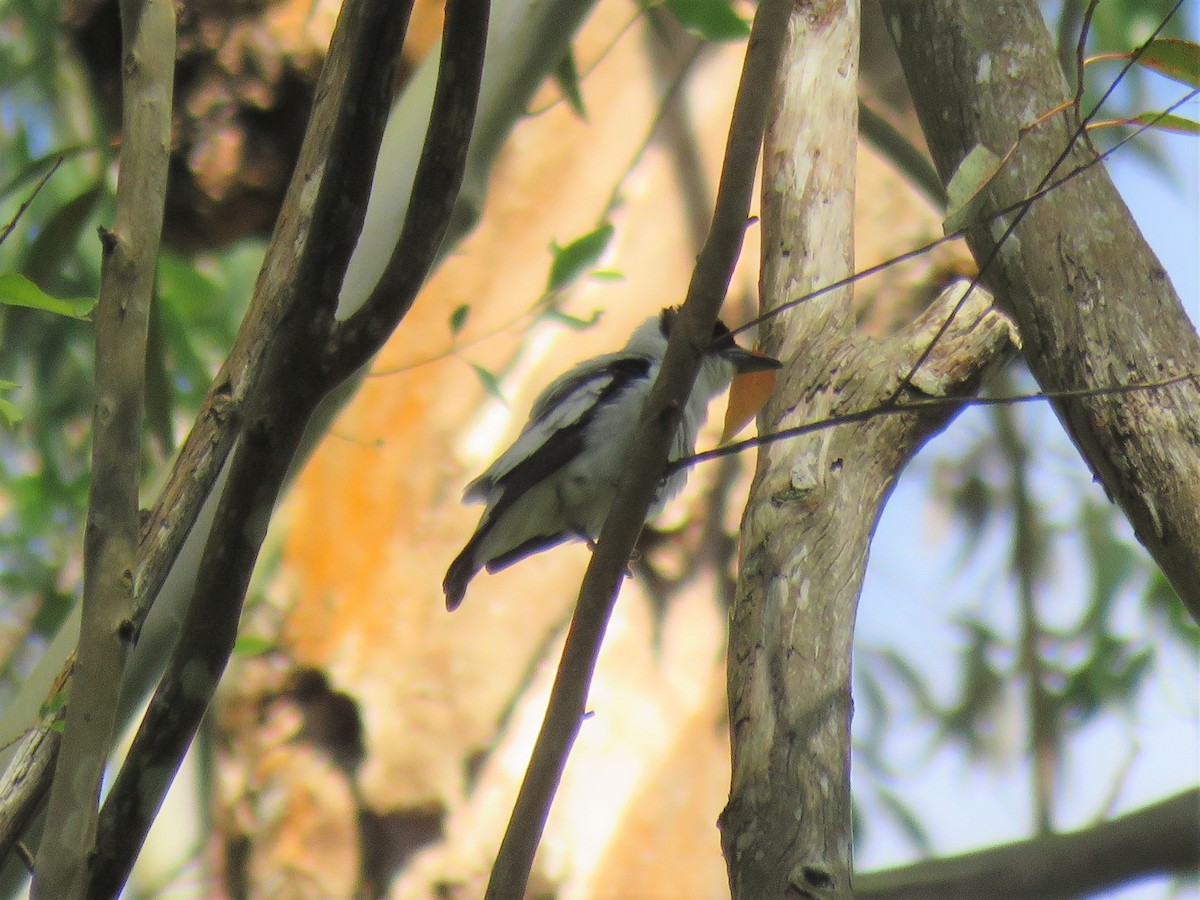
(130, 255)
(298, 372)
(321, 216)
(690, 335)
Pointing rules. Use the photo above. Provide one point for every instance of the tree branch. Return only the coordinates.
(1159, 840)
(690, 335)
(526, 41)
(328, 178)
(805, 538)
(434, 193)
(1089, 316)
(130, 256)
(298, 373)
(318, 226)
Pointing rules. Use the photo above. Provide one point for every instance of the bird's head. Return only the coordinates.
(722, 352)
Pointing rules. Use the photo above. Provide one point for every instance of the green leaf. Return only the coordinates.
(554, 314)
(253, 645)
(36, 168)
(1177, 59)
(566, 76)
(1169, 122)
(1162, 600)
(17, 290)
(1112, 562)
(911, 679)
(713, 20)
(970, 178)
(982, 686)
(578, 256)
(490, 383)
(10, 413)
(56, 701)
(458, 318)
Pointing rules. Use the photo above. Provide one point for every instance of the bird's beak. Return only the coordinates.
(752, 385)
(751, 360)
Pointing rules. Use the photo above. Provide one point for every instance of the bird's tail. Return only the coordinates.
(459, 575)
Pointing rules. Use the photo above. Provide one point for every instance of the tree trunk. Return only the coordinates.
(1093, 304)
(786, 830)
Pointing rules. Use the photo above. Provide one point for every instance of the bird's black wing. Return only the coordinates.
(554, 434)
(565, 443)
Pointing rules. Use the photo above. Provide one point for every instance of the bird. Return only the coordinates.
(557, 480)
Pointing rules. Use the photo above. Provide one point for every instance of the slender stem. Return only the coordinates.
(130, 254)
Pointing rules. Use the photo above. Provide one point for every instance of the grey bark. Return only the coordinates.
(815, 501)
(1093, 304)
(129, 254)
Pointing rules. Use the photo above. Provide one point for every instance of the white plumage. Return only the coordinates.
(556, 482)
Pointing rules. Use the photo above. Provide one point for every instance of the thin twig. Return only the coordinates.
(21, 210)
(980, 222)
(592, 66)
(693, 325)
(910, 407)
(1080, 51)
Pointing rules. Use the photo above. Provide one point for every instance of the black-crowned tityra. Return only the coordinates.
(557, 481)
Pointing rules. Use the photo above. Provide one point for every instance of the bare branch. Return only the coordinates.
(527, 40)
(985, 219)
(435, 190)
(28, 775)
(905, 405)
(320, 220)
(130, 257)
(1159, 840)
(326, 157)
(690, 335)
